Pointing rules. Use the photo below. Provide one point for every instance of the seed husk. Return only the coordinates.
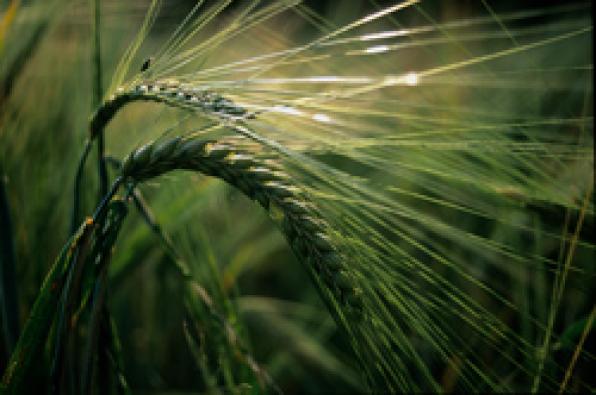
(217, 151)
(322, 242)
(332, 261)
(142, 155)
(342, 280)
(165, 149)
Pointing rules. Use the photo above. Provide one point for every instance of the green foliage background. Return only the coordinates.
(232, 247)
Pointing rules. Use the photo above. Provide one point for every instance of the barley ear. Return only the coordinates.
(306, 231)
(170, 93)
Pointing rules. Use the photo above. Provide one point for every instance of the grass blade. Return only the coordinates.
(42, 314)
(8, 292)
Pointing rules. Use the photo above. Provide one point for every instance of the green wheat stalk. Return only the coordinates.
(238, 109)
(376, 236)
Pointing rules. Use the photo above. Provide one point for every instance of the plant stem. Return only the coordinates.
(8, 292)
(77, 187)
(558, 288)
(578, 348)
(32, 339)
(97, 95)
(106, 199)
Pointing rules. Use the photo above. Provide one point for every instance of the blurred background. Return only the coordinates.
(232, 247)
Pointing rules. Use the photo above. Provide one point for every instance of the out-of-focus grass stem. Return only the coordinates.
(8, 292)
(97, 95)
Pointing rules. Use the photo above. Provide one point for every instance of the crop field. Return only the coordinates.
(296, 197)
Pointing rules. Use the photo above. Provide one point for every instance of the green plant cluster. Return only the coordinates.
(285, 196)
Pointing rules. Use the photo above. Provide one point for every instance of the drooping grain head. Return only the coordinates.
(171, 93)
(303, 226)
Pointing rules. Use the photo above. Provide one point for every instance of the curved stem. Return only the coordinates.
(77, 187)
(106, 199)
(97, 96)
(9, 306)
